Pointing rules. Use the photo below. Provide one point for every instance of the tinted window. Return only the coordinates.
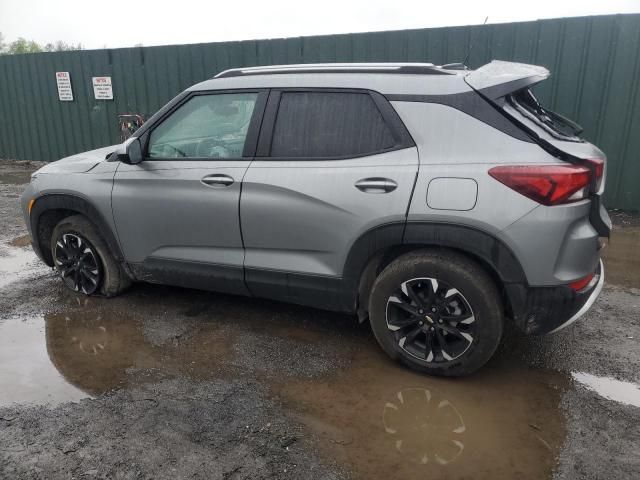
(207, 126)
(328, 124)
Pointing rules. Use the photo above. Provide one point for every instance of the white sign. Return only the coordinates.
(102, 89)
(65, 92)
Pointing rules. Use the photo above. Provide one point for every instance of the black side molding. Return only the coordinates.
(198, 275)
(318, 291)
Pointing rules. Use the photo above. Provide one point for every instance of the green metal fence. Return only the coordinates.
(594, 61)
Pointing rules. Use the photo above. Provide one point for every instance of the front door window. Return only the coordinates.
(206, 126)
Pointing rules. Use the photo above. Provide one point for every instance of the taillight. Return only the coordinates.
(582, 283)
(546, 184)
(597, 167)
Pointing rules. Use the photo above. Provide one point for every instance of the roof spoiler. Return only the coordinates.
(497, 78)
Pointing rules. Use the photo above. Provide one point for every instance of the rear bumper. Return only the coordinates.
(550, 309)
(588, 301)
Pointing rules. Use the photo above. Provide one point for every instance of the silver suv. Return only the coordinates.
(436, 201)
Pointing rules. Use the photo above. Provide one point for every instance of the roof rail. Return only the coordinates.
(398, 68)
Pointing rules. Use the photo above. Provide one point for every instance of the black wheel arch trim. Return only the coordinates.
(74, 203)
(471, 240)
(478, 244)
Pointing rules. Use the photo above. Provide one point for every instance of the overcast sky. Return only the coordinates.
(114, 23)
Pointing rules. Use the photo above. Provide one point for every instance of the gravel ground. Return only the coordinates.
(169, 429)
(172, 383)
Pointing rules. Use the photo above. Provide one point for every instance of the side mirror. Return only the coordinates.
(133, 153)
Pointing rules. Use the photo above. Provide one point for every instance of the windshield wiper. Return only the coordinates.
(576, 128)
(551, 120)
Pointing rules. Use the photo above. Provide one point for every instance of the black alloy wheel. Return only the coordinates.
(78, 263)
(430, 320)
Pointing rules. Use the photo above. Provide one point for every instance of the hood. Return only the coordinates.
(80, 162)
(497, 78)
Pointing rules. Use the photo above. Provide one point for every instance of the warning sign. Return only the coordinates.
(102, 89)
(65, 93)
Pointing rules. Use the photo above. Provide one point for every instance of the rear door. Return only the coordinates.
(331, 165)
(176, 212)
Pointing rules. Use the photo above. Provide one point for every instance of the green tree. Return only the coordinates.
(22, 45)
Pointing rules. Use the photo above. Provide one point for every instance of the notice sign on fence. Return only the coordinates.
(65, 93)
(102, 89)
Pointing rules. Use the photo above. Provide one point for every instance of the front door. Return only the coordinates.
(176, 212)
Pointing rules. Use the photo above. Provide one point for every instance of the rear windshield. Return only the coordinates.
(560, 127)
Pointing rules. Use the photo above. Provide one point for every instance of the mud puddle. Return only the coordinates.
(387, 422)
(90, 346)
(610, 388)
(17, 263)
(622, 257)
(26, 372)
(88, 349)
(376, 417)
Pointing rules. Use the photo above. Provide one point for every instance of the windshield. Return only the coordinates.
(560, 127)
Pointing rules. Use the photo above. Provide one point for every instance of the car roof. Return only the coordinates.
(494, 79)
(386, 78)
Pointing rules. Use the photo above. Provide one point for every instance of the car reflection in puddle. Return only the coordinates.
(426, 427)
(93, 350)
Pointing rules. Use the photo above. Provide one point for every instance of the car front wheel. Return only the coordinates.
(83, 260)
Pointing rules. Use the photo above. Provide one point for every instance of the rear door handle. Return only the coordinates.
(376, 185)
(217, 180)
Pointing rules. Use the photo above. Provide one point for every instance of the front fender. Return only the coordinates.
(68, 203)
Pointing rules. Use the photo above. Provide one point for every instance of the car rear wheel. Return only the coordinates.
(83, 260)
(437, 311)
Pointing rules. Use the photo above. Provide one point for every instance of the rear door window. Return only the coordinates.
(329, 124)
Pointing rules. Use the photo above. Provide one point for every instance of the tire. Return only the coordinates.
(452, 331)
(81, 256)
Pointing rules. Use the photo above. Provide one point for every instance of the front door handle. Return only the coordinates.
(217, 180)
(376, 185)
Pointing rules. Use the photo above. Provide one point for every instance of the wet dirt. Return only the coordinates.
(21, 241)
(622, 257)
(14, 178)
(165, 382)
